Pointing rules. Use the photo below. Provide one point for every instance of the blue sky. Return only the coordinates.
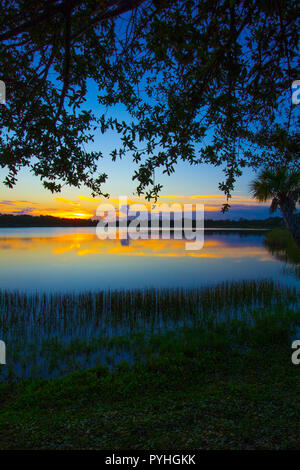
(29, 196)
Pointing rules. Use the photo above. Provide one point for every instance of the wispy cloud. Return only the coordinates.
(65, 200)
(85, 206)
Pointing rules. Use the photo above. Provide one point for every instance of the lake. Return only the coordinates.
(74, 259)
(101, 304)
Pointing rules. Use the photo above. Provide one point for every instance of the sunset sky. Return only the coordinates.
(187, 185)
(29, 196)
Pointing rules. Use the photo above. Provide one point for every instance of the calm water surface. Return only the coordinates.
(51, 259)
(50, 336)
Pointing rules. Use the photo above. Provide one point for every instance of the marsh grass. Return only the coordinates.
(50, 335)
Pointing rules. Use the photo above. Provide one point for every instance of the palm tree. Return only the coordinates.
(283, 187)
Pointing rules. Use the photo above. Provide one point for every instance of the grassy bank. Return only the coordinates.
(228, 384)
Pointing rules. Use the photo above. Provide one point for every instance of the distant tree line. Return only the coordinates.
(10, 220)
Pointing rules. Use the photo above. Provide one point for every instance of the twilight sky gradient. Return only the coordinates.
(187, 185)
(29, 196)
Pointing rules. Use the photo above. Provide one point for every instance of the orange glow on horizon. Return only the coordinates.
(84, 207)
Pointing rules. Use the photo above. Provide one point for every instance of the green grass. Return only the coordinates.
(224, 385)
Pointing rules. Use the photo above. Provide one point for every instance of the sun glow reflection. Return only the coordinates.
(86, 244)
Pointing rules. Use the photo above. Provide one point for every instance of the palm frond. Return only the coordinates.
(260, 190)
(270, 183)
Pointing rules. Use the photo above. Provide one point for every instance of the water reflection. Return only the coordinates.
(281, 245)
(83, 244)
(67, 258)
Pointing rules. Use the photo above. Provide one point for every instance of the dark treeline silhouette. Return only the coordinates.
(10, 220)
(269, 223)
